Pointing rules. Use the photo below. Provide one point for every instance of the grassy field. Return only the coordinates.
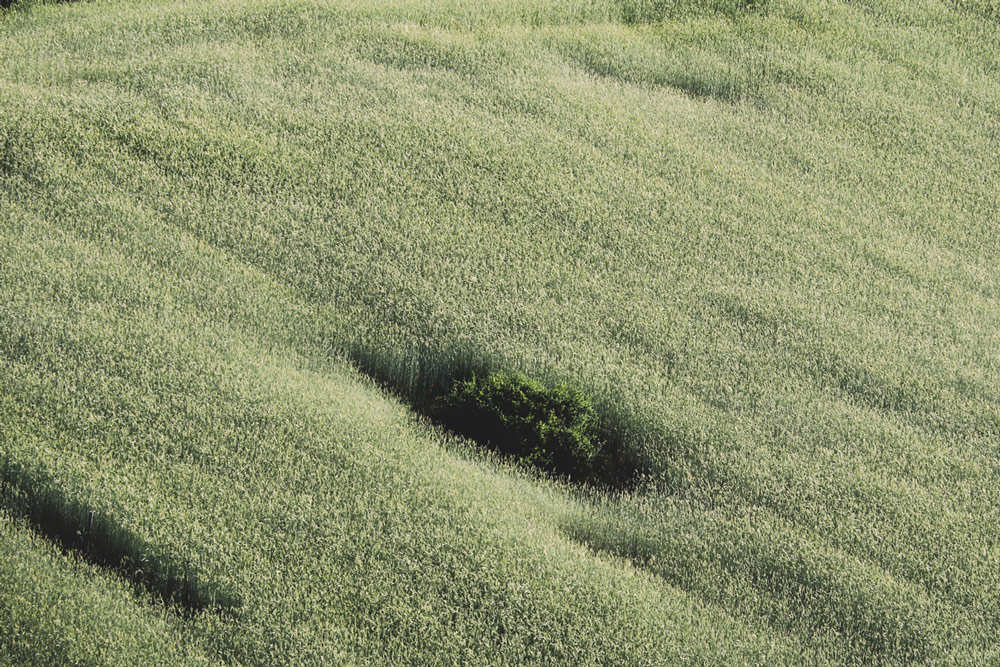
(238, 238)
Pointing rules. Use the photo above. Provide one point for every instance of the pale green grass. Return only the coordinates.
(763, 240)
(60, 612)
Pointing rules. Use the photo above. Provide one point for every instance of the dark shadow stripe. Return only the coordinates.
(77, 529)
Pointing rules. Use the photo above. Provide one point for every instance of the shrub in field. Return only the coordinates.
(551, 428)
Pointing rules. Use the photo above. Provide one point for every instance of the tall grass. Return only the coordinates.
(761, 238)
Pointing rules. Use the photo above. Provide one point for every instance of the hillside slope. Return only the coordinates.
(760, 235)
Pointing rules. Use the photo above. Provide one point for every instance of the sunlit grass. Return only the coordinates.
(761, 238)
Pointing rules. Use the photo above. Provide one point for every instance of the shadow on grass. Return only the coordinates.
(422, 378)
(76, 529)
(786, 584)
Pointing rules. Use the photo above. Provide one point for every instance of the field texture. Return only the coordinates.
(240, 240)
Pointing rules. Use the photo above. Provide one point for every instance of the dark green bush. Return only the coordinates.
(551, 428)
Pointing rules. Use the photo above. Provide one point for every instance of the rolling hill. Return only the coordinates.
(240, 240)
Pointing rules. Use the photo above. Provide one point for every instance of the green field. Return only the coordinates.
(239, 241)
